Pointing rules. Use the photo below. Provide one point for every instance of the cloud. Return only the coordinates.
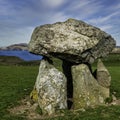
(15, 36)
(60, 16)
(32, 13)
(17, 21)
(53, 3)
(106, 27)
(83, 9)
(104, 18)
(76, 5)
(19, 17)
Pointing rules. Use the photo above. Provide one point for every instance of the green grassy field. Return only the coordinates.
(16, 82)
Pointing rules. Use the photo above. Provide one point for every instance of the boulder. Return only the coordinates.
(72, 40)
(50, 88)
(86, 90)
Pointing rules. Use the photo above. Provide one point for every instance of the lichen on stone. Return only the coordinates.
(51, 88)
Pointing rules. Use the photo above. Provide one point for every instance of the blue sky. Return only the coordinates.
(18, 18)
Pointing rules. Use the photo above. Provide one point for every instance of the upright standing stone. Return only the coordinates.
(51, 88)
(103, 76)
(86, 90)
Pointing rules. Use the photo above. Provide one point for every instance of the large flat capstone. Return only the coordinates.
(72, 40)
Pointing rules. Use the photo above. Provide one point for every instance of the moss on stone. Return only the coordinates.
(34, 95)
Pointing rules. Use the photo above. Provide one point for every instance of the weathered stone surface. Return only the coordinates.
(72, 40)
(78, 44)
(51, 88)
(86, 90)
(103, 76)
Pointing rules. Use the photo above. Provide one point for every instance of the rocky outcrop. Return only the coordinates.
(50, 89)
(72, 40)
(21, 46)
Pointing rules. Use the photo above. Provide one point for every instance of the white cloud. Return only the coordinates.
(15, 36)
(53, 3)
(106, 27)
(117, 6)
(84, 8)
(76, 5)
(104, 18)
(58, 17)
(18, 20)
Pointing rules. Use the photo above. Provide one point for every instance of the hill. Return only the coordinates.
(13, 60)
(10, 60)
(19, 50)
(21, 46)
(116, 49)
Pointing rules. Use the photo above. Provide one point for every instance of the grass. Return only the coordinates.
(100, 113)
(16, 82)
(115, 83)
(13, 60)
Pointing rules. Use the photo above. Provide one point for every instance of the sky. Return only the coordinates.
(18, 18)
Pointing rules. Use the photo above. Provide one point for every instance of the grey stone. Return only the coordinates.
(51, 88)
(75, 42)
(72, 40)
(86, 90)
(103, 75)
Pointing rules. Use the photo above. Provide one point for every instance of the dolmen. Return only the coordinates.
(78, 45)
